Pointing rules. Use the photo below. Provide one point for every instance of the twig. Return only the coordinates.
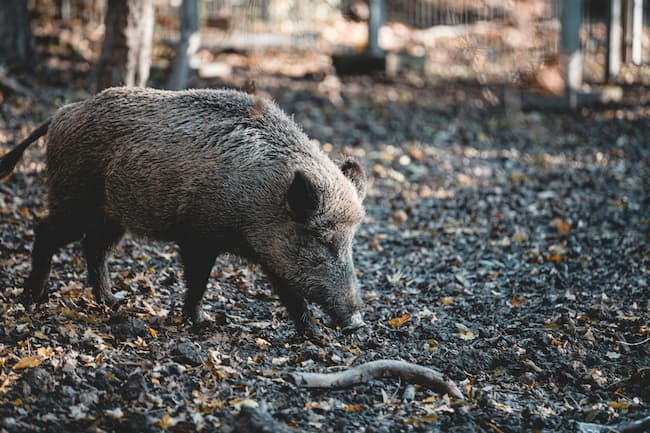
(637, 426)
(638, 343)
(377, 369)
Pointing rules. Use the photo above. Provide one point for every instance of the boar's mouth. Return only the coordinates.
(341, 314)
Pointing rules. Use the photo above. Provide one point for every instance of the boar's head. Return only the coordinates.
(310, 251)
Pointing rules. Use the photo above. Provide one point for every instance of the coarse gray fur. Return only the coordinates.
(213, 170)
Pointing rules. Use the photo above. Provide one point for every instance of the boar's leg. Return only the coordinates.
(100, 239)
(298, 311)
(49, 235)
(197, 264)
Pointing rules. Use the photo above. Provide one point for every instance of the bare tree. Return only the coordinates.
(126, 52)
(16, 42)
(187, 46)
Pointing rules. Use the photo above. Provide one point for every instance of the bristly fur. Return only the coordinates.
(211, 170)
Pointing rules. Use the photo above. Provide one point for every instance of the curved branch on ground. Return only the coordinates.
(377, 369)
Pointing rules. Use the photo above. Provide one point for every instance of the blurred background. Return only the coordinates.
(514, 42)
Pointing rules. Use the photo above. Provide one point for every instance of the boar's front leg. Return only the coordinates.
(197, 264)
(100, 239)
(298, 311)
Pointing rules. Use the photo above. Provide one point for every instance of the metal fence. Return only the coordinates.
(505, 40)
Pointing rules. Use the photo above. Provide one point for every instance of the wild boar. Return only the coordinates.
(214, 171)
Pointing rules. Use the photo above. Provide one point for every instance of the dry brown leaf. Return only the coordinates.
(28, 362)
(354, 408)
(464, 332)
(560, 225)
(447, 300)
(618, 405)
(396, 322)
(555, 258)
(400, 217)
(516, 301)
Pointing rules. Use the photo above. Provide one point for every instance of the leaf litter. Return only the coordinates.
(520, 253)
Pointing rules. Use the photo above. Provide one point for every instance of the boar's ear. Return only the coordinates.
(302, 198)
(353, 171)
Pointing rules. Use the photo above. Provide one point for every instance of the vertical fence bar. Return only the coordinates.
(614, 40)
(637, 31)
(377, 13)
(571, 54)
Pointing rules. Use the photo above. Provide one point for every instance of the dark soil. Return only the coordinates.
(508, 250)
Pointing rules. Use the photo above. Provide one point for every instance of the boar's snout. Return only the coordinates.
(347, 309)
(356, 323)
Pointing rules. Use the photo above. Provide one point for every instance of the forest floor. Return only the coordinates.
(509, 250)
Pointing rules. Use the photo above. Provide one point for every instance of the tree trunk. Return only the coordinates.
(187, 46)
(16, 42)
(126, 52)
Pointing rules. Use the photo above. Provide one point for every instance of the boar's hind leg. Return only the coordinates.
(197, 263)
(97, 244)
(49, 235)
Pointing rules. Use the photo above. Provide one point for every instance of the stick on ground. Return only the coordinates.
(377, 369)
(637, 426)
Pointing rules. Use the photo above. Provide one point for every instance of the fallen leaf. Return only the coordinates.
(400, 217)
(354, 408)
(555, 258)
(516, 301)
(464, 332)
(28, 362)
(167, 421)
(396, 322)
(114, 413)
(447, 300)
(618, 405)
(416, 422)
(495, 428)
(560, 225)
(262, 342)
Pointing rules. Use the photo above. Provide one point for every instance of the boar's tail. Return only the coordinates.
(9, 161)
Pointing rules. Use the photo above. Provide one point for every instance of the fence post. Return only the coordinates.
(614, 40)
(377, 15)
(637, 31)
(188, 44)
(571, 53)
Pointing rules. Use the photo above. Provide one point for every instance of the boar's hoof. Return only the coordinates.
(30, 298)
(310, 331)
(109, 300)
(196, 318)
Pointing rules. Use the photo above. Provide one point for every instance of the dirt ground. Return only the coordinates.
(506, 249)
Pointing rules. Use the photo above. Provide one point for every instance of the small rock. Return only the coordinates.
(40, 379)
(128, 327)
(409, 393)
(136, 423)
(190, 353)
(102, 380)
(135, 384)
(174, 369)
